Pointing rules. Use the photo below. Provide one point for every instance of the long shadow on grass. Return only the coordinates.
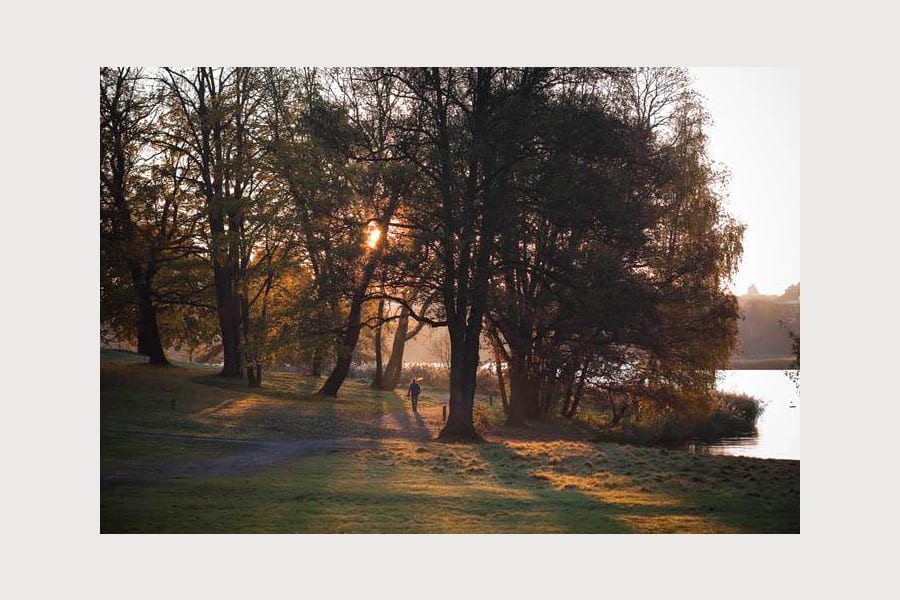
(740, 494)
(390, 406)
(572, 511)
(628, 506)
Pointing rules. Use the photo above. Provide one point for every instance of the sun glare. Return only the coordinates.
(374, 236)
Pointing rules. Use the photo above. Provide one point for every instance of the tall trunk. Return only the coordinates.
(519, 391)
(149, 339)
(344, 352)
(463, 369)
(467, 234)
(377, 379)
(229, 313)
(395, 362)
(225, 275)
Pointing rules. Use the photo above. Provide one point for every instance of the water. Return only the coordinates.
(778, 428)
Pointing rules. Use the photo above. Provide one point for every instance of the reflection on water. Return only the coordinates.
(778, 428)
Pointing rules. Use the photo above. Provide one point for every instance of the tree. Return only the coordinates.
(629, 296)
(696, 248)
(148, 224)
(570, 215)
(388, 377)
(333, 159)
(564, 250)
(211, 117)
(464, 131)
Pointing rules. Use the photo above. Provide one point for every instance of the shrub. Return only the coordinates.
(729, 415)
(485, 419)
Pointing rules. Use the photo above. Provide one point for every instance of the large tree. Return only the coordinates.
(565, 279)
(211, 118)
(465, 131)
(148, 223)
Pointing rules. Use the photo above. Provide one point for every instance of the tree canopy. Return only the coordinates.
(570, 218)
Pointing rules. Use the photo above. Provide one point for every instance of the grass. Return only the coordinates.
(227, 458)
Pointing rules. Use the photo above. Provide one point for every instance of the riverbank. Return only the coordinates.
(183, 450)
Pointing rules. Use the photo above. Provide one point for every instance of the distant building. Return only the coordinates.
(752, 291)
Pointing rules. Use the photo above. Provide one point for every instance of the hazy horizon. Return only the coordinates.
(755, 133)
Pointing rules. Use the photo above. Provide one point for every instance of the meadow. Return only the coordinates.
(186, 451)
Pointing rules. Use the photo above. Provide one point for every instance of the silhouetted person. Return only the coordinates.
(413, 393)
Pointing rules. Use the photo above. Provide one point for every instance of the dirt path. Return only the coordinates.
(262, 454)
(247, 455)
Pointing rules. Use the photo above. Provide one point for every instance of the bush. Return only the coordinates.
(730, 415)
(733, 415)
(485, 419)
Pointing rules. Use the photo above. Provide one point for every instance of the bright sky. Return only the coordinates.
(757, 135)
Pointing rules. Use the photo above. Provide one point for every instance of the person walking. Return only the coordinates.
(413, 393)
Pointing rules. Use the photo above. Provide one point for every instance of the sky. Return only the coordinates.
(756, 134)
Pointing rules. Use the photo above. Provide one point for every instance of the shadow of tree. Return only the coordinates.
(625, 504)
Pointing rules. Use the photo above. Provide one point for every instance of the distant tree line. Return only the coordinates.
(570, 218)
(768, 324)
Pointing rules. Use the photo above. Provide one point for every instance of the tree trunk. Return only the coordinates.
(463, 369)
(377, 383)
(579, 392)
(316, 367)
(395, 362)
(523, 392)
(251, 350)
(568, 400)
(149, 341)
(228, 309)
(502, 385)
(617, 412)
(344, 352)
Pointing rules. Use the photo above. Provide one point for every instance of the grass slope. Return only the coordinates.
(185, 451)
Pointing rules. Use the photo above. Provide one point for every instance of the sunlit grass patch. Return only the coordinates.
(673, 524)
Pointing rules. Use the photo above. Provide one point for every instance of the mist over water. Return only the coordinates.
(778, 428)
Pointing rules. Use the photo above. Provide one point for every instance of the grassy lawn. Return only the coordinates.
(183, 450)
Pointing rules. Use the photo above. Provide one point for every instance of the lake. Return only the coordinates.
(778, 428)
